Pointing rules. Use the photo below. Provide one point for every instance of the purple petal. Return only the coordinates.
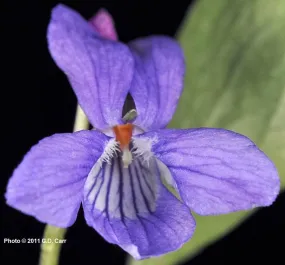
(103, 23)
(48, 184)
(158, 80)
(216, 171)
(131, 208)
(99, 70)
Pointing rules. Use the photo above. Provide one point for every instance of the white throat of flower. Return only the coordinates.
(140, 148)
(127, 157)
(125, 144)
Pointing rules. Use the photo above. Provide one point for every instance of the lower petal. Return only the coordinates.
(131, 208)
(216, 171)
(48, 183)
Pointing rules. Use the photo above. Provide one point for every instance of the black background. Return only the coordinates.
(37, 101)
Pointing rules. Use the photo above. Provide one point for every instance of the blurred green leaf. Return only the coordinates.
(235, 56)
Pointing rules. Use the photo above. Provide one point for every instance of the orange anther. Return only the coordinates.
(123, 134)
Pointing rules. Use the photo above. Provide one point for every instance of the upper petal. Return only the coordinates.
(99, 70)
(48, 183)
(158, 80)
(131, 208)
(217, 171)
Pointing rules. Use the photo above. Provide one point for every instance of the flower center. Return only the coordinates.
(123, 134)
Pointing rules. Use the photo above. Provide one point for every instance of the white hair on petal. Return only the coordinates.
(142, 148)
(110, 149)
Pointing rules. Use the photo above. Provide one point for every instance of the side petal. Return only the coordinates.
(103, 23)
(99, 70)
(131, 208)
(48, 183)
(158, 80)
(216, 171)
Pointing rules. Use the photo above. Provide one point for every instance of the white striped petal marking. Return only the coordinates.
(120, 192)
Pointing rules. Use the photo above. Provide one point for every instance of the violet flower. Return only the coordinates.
(116, 170)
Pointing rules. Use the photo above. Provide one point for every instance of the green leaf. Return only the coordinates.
(235, 57)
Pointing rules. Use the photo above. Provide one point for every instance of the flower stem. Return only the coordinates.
(81, 121)
(50, 247)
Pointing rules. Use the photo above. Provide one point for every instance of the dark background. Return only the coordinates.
(37, 101)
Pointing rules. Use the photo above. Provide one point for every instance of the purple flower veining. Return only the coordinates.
(116, 170)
